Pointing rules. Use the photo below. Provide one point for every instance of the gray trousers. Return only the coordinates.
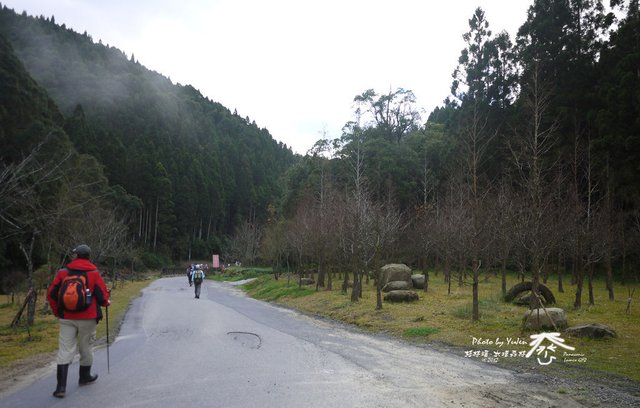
(198, 286)
(76, 334)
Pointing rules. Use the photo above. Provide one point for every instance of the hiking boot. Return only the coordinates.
(61, 375)
(85, 376)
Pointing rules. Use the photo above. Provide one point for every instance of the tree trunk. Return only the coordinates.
(354, 291)
(320, 280)
(607, 263)
(560, 287)
(447, 270)
(534, 302)
(460, 272)
(157, 223)
(577, 304)
(590, 282)
(345, 283)
(475, 315)
(28, 256)
(426, 280)
(503, 276)
(623, 276)
(377, 276)
(378, 298)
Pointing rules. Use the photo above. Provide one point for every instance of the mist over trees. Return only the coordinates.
(97, 149)
(530, 165)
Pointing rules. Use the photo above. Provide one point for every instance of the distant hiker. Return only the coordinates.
(75, 296)
(190, 269)
(198, 277)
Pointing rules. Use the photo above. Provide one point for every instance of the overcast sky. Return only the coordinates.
(293, 66)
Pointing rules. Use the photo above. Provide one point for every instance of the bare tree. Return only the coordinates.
(503, 215)
(388, 224)
(23, 215)
(275, 247)
(246, 242)
(531, 158)
(475, 139)
(591, 225)
(299, 235)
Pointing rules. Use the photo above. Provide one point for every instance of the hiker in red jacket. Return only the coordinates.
(75, 296)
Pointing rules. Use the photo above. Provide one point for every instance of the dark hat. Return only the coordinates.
(83, 251)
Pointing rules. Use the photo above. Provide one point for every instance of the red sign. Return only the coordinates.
(216, 261)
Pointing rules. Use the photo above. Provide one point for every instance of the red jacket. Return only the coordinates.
(96, 286)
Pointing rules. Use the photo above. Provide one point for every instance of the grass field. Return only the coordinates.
(444, 318)
(24, 342)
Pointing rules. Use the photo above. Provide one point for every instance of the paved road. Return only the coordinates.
(227, 350)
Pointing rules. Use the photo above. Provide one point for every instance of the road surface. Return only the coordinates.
(228, 350)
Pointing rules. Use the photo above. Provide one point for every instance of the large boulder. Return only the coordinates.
(396, 285)
(307, 281)
(396, 272)
(401, 296)
(521, 287)
(418, 280)
(593, 331)
(537, 319)
(524, 299)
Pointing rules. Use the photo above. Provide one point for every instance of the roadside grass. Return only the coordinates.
(444, 318)
(22, 342)
(268, 289)
(236, 273)
(420, 331)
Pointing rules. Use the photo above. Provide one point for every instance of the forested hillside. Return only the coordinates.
(189, 169)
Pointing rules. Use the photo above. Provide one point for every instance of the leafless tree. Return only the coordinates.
(503, 214)
(388, 225)
(591, 219)
(299, 235)
(530, 150)
(474, 140)
(246, 242)
(23, 215)
(275, 247)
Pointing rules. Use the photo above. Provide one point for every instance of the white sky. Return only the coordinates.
(293, 66)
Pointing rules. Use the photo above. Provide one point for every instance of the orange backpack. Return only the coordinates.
(74, 294)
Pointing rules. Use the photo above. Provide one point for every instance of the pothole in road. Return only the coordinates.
(246, 339)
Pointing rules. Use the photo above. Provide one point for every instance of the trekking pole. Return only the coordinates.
(107, 313)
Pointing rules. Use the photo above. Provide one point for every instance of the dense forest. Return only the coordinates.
(530, 165)
(99, 149)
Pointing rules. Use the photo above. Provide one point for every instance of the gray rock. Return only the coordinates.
(418, 280)
(593, 331)
(396, 272)
(401, 296)
(396, 285)
(536, 319)
(307, 281)
(524, 298)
